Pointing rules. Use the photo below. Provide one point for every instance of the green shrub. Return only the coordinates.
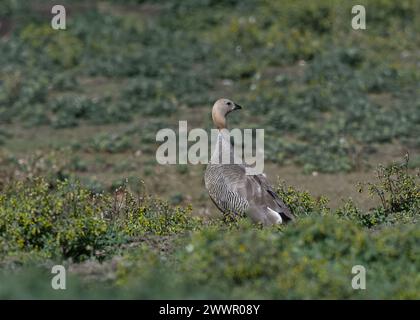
(67, 220)
(398, 192)
(69, 111)
(312, 258)
(60, 222)
(145, 215)
(397, 189)
(302, 203)
(61, 48)
(112, 143)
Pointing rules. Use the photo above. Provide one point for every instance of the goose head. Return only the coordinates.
(221, 109)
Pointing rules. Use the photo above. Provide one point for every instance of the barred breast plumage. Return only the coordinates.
(218, 179)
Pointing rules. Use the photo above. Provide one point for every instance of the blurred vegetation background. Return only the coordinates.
(80, 108)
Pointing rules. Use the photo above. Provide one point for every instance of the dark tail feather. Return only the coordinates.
(285, 212)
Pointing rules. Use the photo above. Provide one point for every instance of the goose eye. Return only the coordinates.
(229, 103)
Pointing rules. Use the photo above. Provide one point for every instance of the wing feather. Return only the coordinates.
(257, 191)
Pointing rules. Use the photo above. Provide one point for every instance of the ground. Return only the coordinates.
(85, 105)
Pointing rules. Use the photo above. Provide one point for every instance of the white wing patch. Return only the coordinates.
(276, 215)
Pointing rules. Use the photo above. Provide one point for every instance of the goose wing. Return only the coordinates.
(263, 200)
(267, 197)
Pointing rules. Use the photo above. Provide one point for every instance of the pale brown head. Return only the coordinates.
(221, 109)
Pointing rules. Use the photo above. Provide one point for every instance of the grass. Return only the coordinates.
(135, 241)
(79, 111)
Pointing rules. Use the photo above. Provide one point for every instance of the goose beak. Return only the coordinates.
(237, 107)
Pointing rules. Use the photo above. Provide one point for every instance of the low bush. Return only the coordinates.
(112, 143)
(60, 222)
(68, 221)
(302, 203)
(312, 258)
(398, 191)
(136, 214)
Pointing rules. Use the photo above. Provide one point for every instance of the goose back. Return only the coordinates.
(236, 193)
